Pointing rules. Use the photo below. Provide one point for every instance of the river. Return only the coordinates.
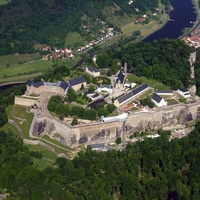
(183, 13)
(9, 85)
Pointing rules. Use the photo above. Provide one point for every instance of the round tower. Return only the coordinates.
(125, 67)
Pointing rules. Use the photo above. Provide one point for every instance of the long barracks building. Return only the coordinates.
(127, 98)
(58, 88)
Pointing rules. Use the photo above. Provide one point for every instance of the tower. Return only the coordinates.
(125, 67)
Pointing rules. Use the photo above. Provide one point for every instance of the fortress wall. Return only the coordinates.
(193, 110)
(107, 132)
(56, 126)
(25, 101)
(176, 109)
(88, 133)
(134, 119)
(100, 131)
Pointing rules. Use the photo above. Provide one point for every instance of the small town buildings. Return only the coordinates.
(106, 96)
(58, 88)
(184, 92)
(94, 97)
(158, 100)
(92, 71)
(46, 48)
(127, 98)
(105, 88)
(165, 92)
(77, 83)
(89, 93)
(98, 147)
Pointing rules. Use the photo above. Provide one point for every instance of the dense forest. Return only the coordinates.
(164, 60)
(7, 98)
(152, 169)
(26, 22)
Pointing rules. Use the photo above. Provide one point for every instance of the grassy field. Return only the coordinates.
(24, 71)
(22, 112)
(46, 137)
(27, 71)
(2, 2)
(10, 128)
(25, 68)
(73, 38)
(16, 59)
(144, 95)
(134, 109)
(24, 77)
(48, 157)
(151, 82)
(23, 133)
(171, 102)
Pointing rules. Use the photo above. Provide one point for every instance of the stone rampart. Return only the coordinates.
(22, 101)
(64, 133)
(107, 132)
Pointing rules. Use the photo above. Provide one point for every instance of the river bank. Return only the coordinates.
(186, 31)
(5, 86)
(173, 28)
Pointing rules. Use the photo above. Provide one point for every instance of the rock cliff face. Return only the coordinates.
(107, 132)
(185, 116)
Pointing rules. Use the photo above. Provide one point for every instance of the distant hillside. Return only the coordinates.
(26, 22)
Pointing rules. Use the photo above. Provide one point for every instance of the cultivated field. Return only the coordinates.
(30, 70)
(18, 58)
(145, 29)
(24, 71)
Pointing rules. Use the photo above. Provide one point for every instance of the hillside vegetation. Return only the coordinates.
(152, 169)
(164, 60)
(26, 22)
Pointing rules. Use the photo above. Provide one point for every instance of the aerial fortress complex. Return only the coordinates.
(107, 129)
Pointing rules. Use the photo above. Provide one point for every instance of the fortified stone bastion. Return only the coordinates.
(96, 132)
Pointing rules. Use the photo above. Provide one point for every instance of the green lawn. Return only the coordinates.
(81, 100)
(20, 111)
(151, 82)
(46, 137)
(171, 102)
(10, 128)
(48, 157)
(15, 59)
(145, 94)
(134, 109)
(101, 80)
